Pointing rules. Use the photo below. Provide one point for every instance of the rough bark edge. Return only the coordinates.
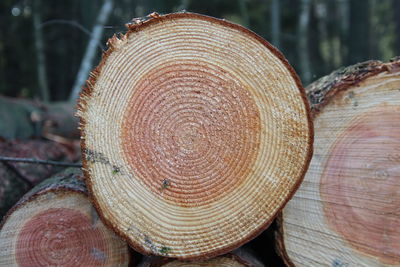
(87, 91)
(321, 91)
(241, 255)
(65, 181)
(69, 180)
(319, 94)
(280, 242)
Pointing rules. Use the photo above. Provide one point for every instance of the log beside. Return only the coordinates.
(346, 212)
(195, 133)
(55, 224)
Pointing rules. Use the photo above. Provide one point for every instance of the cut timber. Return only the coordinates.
(346, 212)
(237, 258)
(56, 225)
(195, 133)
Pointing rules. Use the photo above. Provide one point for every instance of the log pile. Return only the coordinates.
(195, 133)
(346, 212)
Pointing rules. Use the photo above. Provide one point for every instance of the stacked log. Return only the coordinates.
(195, 133)
(56, 225)
(17, 178)
(346, 212)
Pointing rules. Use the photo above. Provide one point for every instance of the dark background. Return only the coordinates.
(316, 36)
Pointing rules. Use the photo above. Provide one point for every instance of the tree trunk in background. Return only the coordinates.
(318, 66)
(39, 47)
(302, 32)
(343, 7)
(396, 4)
(55, 224)
(244, 13)
(359, 31)
(374, 34)
(275, 22)
(87, 61)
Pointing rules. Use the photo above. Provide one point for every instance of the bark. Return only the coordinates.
(23, 119)
(341, 216)
(188, 134)
(55, 224)
(320, 91)
(87, 61)
(17, 178)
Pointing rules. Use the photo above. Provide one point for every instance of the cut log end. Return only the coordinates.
(58, 228)
(204, 129)
(347, 209)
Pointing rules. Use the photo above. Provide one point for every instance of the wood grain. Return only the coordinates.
(204, 129)
(55, 225)
(346, 212)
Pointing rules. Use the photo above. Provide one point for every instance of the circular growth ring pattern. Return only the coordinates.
(195, 133)
(48, 239)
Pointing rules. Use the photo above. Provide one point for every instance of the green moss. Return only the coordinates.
(165, 250)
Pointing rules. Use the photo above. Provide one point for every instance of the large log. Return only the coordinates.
(195, 133)
(237, 258)
(346, 212)
(56, 225)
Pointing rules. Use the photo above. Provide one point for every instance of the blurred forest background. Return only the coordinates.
(44, 43)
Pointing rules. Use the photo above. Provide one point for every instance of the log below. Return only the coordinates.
(236, 258)
(17, 178)
(55, 225)
(346, 212)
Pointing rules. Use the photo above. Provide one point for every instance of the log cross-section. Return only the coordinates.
(347, 211)
(55, 224)
(195, 133)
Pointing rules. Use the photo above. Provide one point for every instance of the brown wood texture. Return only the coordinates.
(236, 258)
(55, 224)
(346, 212)
(204, 129)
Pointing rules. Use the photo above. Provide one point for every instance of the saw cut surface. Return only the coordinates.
(59, 229)
(204, 129)
(347, 211)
